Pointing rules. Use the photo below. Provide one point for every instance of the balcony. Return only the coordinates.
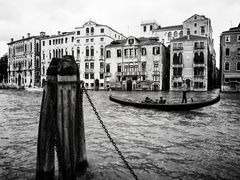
(199, 47)
(132, 73)
(107, 74)
(198, 64)
(177, 48)
(118, 73)
(89, 70)
(177, 65)
(142, 73)
(198, 77)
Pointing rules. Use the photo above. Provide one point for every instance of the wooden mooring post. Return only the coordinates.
(61, 123)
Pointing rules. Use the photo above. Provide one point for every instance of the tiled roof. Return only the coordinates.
(188, 37)
(169, 27)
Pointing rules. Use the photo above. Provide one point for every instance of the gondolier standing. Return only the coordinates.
(184, 90)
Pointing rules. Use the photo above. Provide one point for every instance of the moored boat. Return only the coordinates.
(166, 107)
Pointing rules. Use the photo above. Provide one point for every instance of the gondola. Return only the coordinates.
(166, 107)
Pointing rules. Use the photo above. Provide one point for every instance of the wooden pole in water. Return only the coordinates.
(45, 144)
(70, 125)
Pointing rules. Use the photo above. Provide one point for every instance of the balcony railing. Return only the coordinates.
(107, 74)
(156, 73)
(89, 70)
(198, 64)
(199, 47)
(177, 65)
(177, 48)
(198, 77)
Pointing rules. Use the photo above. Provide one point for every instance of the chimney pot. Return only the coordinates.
(12, 39)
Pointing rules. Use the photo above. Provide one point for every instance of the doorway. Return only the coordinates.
(129, 85)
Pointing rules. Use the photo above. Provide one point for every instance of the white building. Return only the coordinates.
(55, 46)
(24, 61)
(90, 42)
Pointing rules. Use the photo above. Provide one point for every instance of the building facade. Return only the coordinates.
(89, 48)
(55, 46)
(24, 63)
(192, 54)
(136, 64)
(230, 59)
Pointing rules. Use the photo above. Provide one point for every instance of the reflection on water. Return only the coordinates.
(199, 144)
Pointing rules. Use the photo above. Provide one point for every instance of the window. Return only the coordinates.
(177, 71)
(92, 65)
(202, 29)
(188, 31)
(87, 30)
(87, 51)
(101, 75)
(227, 66)
(78, 52)
(92, 39)
(101, 51)
(238, 38)
(86, 65)
(87, 40)
(195, 24)
(78, 32)
(101, 39)
(130, 41)
(92, 84)
(108, 54)
(144, 51)
(227, 52)
(86, 76)
(101, 65)
(72, 39)
(102, 30)
(66, 40)
(50, 42)
(119, 53)
(78, 40)
(151, 27)
(156, 50)
(227, 38)
(175, 34)
(144, 28)
(195, 32)
(108, 68)
(119, 68)
(238, 51)
(181, 33)
(43, 43)
(92, 30)
(238, 66)
(169, 36)
(92, 51)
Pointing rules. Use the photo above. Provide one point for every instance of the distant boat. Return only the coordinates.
(166, 107)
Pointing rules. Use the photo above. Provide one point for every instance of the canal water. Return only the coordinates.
(199, 144)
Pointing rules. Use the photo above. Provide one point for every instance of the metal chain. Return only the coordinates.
(108, 135)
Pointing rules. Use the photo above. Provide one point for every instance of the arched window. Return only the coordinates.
(87, 51)
(92, 30)
(175, 34)
(92, 51)
(181, 33)
(180, 58)
(87, 30)
(169, 36)
(201, 57)
(227, 67)
(108, 68)
(175, 58)
(238, 66)
(188, 31)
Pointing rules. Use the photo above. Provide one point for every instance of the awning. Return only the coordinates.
(232, 75)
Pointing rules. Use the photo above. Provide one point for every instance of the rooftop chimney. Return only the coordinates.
(28, 35)
(22, 37)
(12, 39)
(59, 32)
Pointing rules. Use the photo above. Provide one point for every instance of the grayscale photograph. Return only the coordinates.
(119, 90)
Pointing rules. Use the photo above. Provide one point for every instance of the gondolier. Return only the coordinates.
(184, 90)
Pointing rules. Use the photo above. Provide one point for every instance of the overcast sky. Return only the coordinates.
(18, 17)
